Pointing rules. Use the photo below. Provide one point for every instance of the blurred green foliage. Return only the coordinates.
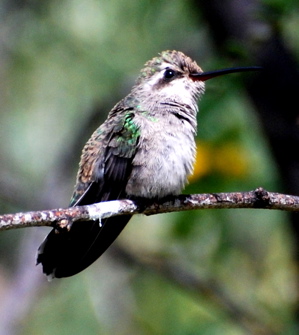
(63, 60)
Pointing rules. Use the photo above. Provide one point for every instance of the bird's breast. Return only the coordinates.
(164, 158)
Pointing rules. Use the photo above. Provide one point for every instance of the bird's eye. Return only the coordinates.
(168, 74)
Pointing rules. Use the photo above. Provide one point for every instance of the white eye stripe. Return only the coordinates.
(179, 88)
(158, 76)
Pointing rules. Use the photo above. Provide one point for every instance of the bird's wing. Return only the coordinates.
(103, 176)
(106, 162)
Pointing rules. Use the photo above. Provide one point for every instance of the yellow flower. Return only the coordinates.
(228, 160)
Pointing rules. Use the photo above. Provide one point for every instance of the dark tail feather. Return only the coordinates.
(64, 254)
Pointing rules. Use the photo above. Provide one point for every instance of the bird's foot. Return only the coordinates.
(64, 225)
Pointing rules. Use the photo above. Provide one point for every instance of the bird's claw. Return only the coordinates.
(63, 225)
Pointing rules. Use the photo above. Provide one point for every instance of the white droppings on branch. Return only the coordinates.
(258, 198)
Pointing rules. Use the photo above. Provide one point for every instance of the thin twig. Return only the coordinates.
(258, 198)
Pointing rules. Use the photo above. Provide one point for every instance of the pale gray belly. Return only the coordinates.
(162, 163)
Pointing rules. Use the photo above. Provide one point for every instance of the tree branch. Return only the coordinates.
(63, 218)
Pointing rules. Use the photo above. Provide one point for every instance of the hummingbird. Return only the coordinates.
(145, 149)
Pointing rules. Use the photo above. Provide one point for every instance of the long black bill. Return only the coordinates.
(212, 74)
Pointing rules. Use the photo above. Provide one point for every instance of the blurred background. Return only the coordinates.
(63, 66)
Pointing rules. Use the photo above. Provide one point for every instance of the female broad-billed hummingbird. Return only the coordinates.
(145, 148)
